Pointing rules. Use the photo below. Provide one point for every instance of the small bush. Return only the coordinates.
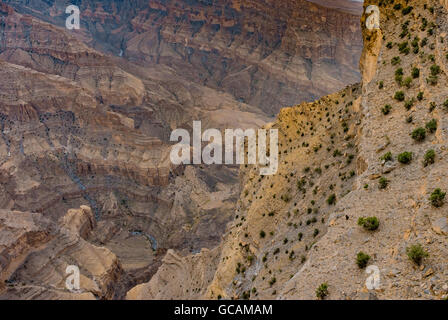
(382, 183)
(399, 95)
(331, 199)
(370, 223)
(430, 156)
(386, 109)
(262, 234)
(407, 82)
(387, 157)
(420, 96)
(416, 253)
(322, 291)
(435, 70)
(431, 126)
(405, 157)
(362, 259)
(437, 198)
(415, 73)
(419, 134)
(395, 61)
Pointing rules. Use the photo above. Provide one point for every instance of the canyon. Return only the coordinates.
(86, 116)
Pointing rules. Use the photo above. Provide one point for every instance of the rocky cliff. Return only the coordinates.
(362, 182)
(268, 54)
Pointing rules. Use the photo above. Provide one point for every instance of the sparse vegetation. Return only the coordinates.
(322, 291)
(416, 253)
(405, 157)
(429, 158)
(362, 259)
(383, 183)
(437, 198)
(418, 134)
(369, 223)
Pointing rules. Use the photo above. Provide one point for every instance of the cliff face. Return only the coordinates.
(351, 155)
(269, 54)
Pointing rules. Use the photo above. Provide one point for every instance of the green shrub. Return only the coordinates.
(430, 156)
(387, 157)
(399, 95)
(407, 10)
(322, 291)
(416, 253)
(437, 198)
(331, 199)
(395, 61)
(431, 126)
(415, 73)
(370, 223)
(407, 82)
(409, 103)
(382, 183)
(262, 234)
(386, 109)
(405, 157)
(420, 96)
(418, 134)
(435, 70)
(362, 259)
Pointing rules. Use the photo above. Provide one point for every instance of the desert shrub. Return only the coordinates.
(416, 253)
(429, 158)
(415, 73)
(387, 157)
(404, 47)
(431, 126)
(262, 234)
(418, 134)
(407, 82)
(407, 10)
(382, 183)
(409, 103)
(420, 96)
(437, 198)
(322, 291)
(405, 157)
(362, 259)
(432, 80)
(395, 61)
(386, 109)
(435, 70)
(399, 95)
(369, 223)
(331, 199)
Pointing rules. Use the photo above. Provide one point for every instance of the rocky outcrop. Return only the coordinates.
(35, 253)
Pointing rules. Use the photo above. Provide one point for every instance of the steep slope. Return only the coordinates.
(300, 228)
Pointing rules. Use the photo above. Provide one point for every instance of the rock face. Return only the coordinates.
(299, 229)
(86, 116)
(268, 54)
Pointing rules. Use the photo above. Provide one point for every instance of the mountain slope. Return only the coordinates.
(299, 229)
